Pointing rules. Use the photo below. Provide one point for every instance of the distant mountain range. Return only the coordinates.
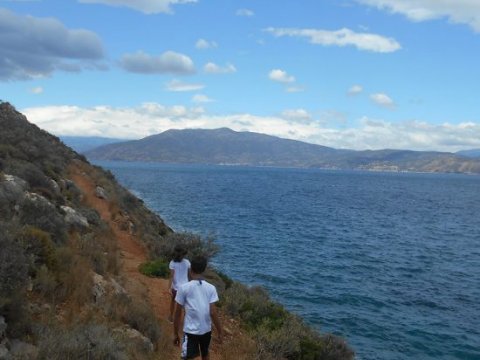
(82, 144)
(228, 147)
(473, 153)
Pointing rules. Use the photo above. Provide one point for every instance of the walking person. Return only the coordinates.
(198, 298)
(179, 274)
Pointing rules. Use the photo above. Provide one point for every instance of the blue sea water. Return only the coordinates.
(389, 261)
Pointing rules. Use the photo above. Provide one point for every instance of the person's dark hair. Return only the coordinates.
(199, 264)
(179, 253)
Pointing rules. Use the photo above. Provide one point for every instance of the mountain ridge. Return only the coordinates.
(224, 146)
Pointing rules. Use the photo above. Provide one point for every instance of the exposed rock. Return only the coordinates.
(101, 193)
(117, 288)
(74, 219)
(55, 187)
(39, 200)
(99, 288)
(12, 189)
(16, 180)
(22, 350)
(141, 341)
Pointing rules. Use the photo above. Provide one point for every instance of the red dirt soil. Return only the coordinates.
(132, 253)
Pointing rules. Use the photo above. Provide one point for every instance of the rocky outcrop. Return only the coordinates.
(142, 342)
(102, 287)
(74, 219)
(101, 193)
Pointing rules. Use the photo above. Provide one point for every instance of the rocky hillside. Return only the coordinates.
(225, 146)
(72, 244)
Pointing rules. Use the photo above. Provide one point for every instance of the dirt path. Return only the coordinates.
(132, 255)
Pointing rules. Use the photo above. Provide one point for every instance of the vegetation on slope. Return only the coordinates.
(62, 292)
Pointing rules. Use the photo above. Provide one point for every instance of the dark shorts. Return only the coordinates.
(194, 345)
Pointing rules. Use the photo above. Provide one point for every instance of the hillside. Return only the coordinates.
(219, 146)
(82, 144)
(225, 146)
(70, 286)
(472, 153)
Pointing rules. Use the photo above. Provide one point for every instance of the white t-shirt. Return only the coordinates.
(181, 272)
(196, 297)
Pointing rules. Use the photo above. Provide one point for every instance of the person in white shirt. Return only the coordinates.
(198, 298)
(179, 274)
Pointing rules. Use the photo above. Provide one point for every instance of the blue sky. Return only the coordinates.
(359, 74)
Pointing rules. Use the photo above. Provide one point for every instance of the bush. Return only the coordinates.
(137, 314)
(13, 267)
(254, 307)
(38, 247)
(327, 347)
(156, 268)
(37, 211)
(33, 175)
(45, 282)
(228, 281)
(278, 333)
(13, 280)
(100, 248)
(82, 341)
(195, 245)
(74, 278)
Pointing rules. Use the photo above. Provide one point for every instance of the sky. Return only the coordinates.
(355, 74)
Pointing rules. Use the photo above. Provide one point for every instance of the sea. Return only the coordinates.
(388, 261)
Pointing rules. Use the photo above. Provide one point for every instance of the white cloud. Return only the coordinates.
(200, 98)
(180, 86)
(457, 11)
(296, 115)
(169, 62)
(153, 118)
(213, 68)
(355, 90)
(37, 90)
(145, 6)
(383, 100)
(203, 44)
(281, 76)
(32, 47)
(342, 37)
(245, 12)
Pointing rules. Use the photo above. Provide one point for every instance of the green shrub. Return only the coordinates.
(228, 281)
(326, 347)
(278, 333)
(156, 268)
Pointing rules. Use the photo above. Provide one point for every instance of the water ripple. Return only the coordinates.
(389, 261)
